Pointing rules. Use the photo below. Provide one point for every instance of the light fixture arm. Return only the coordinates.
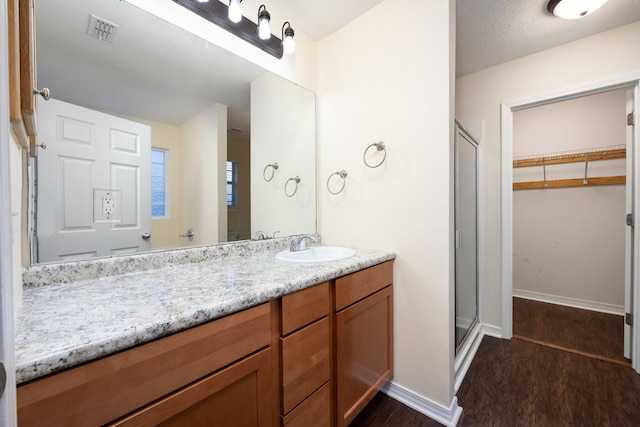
(217, 12)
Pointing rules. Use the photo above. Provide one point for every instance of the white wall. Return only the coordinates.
(17, 165)
(280, 134)
(386, 77)
(203, 193)
(570, 242)
(479, 95)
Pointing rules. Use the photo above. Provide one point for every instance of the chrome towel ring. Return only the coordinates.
(380, 147)
(296, 180)
(273, 167)
(342, 174)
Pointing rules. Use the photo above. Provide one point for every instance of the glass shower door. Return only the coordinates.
(466, 234)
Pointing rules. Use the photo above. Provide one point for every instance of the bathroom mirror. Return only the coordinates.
(213, 122)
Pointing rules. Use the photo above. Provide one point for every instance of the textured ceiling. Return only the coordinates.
(490, 32)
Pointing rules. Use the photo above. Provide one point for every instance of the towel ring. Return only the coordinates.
(380, 147)
(273, 171)
(295, 189)
(342, 174)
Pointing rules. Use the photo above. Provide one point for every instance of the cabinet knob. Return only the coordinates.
(45, 93)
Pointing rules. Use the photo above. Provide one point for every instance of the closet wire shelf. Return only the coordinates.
(574, 156)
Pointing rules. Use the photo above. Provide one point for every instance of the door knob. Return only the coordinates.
(146, 236)
(188, 234)
(45, 93)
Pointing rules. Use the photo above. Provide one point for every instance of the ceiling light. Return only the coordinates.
(264, 29)
(288, 44)
(573, 9)
(235, 12)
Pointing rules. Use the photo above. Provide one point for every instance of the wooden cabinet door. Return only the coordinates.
(364, 352)
(238, 395)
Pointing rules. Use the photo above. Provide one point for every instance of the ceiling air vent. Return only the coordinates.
(102, 29)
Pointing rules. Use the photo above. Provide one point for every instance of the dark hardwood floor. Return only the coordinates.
(519, 382)
(582, 331)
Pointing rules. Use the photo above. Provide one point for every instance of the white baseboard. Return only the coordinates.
(492, 331)
(447, 416)
(467, 353)
(570, 302)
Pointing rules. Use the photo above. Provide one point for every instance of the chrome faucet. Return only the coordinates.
(260, 235)
(300, 244)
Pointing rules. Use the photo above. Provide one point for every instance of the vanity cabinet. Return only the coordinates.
(218, 371)
(363, 338)
(313, 358)
(306, 357)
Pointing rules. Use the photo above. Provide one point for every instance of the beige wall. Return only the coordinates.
(478, 98)
(570, 242)
(386, 77)
(240, 217)
(204, 156)
(164, 231)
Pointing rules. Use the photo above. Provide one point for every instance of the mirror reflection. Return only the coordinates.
(157, 139)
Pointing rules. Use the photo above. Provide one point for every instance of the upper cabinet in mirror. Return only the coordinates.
(157, 139)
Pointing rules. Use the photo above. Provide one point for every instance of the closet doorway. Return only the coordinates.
(632, 237)
(569, 199)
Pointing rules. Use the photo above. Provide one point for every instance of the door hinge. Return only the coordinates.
(631, 121)
(631, 220)
(628, 319)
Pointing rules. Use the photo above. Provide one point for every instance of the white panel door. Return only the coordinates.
(93, 187)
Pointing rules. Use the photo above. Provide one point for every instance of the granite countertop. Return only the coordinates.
(60, 325)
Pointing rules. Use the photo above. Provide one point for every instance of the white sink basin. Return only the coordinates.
(317, 254)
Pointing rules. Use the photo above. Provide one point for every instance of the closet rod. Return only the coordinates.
(577, 156)
(576, 182)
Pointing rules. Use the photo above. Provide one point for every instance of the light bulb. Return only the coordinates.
(235, 12)
(288, 44)
(574, 9)
(264, 29)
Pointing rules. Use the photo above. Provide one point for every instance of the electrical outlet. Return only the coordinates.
(108, 205)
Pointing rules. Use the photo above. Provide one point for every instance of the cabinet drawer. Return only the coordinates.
(313, 412)
(305, 306)
(305, 363)
(106, 389)
(238, 395)
(357, 286)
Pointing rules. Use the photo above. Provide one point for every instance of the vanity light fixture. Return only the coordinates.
(288, 44)
(573, 9)
(224, 14)
(235, 11)
(264, 28)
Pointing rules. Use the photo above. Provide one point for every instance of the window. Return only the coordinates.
(159, 196)
(232, 184)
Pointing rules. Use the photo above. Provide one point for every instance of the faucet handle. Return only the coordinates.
(273, 236)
